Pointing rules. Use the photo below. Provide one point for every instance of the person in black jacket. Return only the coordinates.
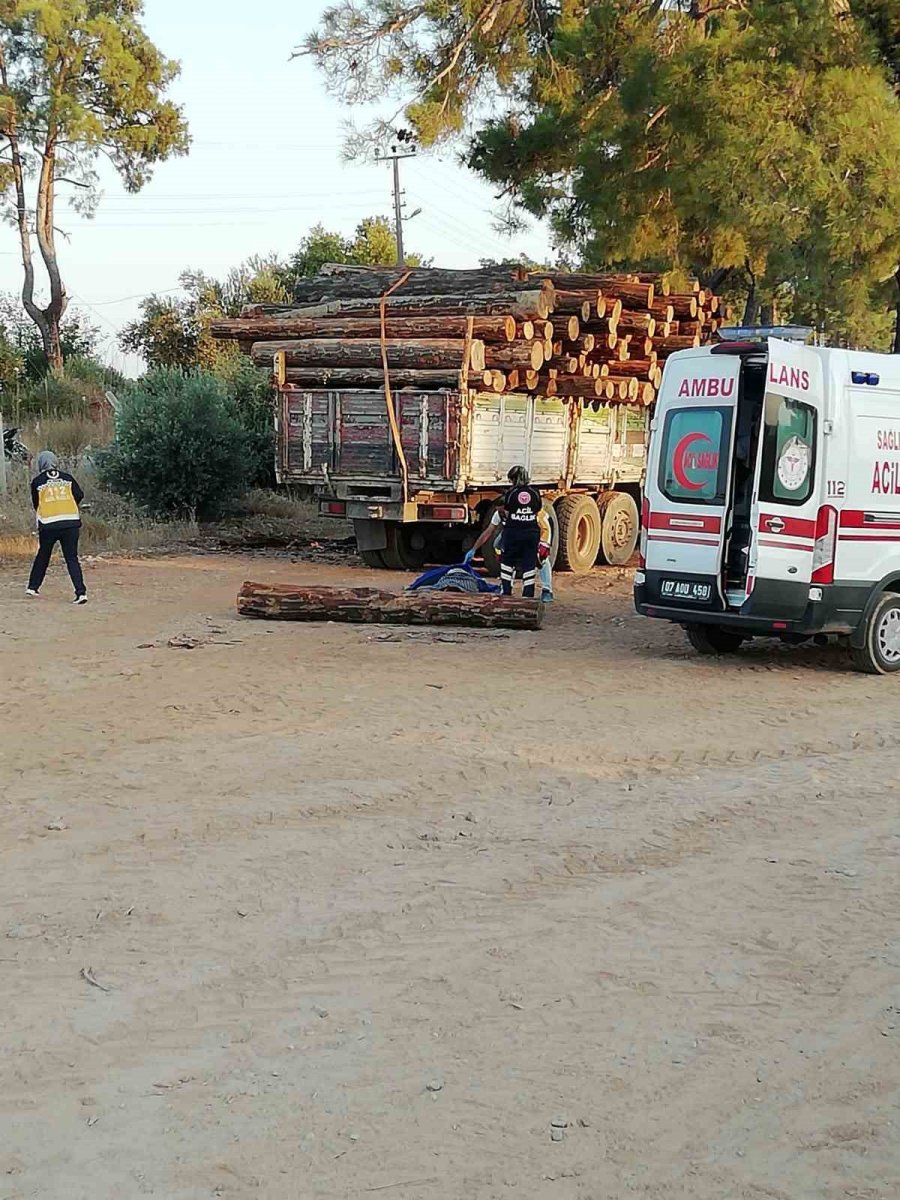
(56, 497)
(521, 535)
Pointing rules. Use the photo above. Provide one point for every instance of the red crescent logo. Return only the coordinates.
(679, 469)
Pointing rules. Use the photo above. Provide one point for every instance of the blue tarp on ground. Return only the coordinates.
(464, 578)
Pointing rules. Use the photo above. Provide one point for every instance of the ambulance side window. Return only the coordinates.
(693, 465)
(788, 451)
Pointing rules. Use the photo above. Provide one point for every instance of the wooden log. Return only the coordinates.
(493, 381)
(635, 295)
(518, 354)
(579, 385)
(423, 354)
(286, 602)
(684, 307)
(574, 304)
(662, 310)
(661, 283)
(340, 378)
(635, 322)
(523, 306)
(524, 332)
(628, 388)
(340, 282)
(647, 394)
(567, 328)
(261, 329)
(636, 368)
(670, 345)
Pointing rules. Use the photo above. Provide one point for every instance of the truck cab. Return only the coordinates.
(770, 462)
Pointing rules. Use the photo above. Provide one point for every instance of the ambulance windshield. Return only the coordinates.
(693, 465)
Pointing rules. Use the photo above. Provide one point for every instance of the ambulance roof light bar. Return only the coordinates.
(759, 333)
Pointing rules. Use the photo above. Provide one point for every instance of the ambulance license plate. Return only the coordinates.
(679, 589)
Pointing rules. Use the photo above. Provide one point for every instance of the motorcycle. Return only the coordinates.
(13, 449)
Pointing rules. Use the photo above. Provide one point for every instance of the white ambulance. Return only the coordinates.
(772, 498)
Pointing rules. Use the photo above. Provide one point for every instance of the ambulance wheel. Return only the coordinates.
(372, 558)
(579, 533)
(619, 528)
(713, 639)
(880, 653)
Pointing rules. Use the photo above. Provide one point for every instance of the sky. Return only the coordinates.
(264, 166)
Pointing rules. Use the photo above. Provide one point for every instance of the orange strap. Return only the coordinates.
(388, 397)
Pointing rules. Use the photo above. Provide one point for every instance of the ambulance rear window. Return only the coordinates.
(789, 451)
(693, 465)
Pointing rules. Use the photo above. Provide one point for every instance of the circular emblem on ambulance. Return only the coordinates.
(793, 465)
(524, 497)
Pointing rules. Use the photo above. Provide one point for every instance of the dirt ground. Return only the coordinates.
(339, 912)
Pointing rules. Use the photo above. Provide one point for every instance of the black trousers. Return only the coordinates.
(68, 541)
(519, 558)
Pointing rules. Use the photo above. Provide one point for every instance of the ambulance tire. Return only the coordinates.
(372, 558)
(620, 527)
(579, 533)
(713, 639)
(880, 652)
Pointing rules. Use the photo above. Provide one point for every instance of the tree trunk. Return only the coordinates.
(284, 602)
(430, 354)
(524, 306)
(520, 354)
(261, 329)
(338, 378)
(336, 281)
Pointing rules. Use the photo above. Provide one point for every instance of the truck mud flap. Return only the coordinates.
(370, 535)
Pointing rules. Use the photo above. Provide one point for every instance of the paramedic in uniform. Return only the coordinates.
(521, 508)
(56, 497)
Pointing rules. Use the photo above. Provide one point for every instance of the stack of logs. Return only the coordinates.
(598, 337)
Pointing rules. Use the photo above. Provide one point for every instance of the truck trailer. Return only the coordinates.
(424, 496)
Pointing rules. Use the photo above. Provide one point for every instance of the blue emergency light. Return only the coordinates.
(866, 377)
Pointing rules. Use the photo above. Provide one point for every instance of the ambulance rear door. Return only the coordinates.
(786, 492)
(688, 483)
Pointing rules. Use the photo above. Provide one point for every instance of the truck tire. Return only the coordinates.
(553, 520)
(579, 533)
(880, 652)
(713, 639)
(619, 528)
(373, 558)
(407, 548)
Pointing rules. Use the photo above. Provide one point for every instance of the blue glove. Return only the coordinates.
(467, 561)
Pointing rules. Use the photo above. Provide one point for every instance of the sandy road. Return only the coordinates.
(578, 875)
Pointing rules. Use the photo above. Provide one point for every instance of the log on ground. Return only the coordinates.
(285, 602)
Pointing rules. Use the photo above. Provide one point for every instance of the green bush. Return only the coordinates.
(254, 398)
(181, 448)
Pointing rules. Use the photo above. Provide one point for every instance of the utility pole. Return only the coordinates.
(395, 158)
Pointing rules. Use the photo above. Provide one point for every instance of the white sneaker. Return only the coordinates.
(31, 592)
(80, 600)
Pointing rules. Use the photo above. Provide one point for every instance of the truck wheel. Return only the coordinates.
(406, 548)
(579, 533)
(619, 528)
(713, 639)
(554, 532)
(372, 558)
(880, 653)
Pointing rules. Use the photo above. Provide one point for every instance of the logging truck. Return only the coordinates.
(419, 488)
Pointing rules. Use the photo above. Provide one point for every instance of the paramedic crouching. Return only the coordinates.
(521, 533)
(56, 497)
